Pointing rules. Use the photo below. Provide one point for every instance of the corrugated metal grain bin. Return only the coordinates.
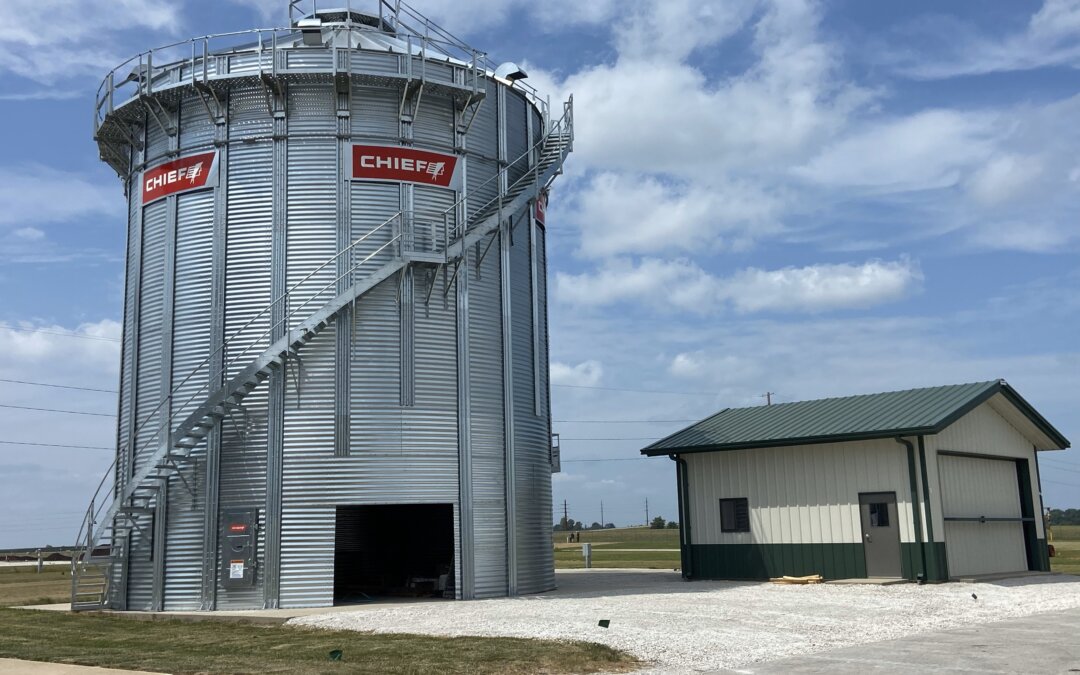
(334, 375)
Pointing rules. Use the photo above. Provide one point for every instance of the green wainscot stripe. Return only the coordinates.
(762, 561)
(937, 567)
(1042, 559)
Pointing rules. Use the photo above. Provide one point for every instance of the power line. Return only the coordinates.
(57, 410)
(604, 459)
(650, 438)
(56, 332)
(58, 445)
(640, 391)
(1057, 482)
(58, 386)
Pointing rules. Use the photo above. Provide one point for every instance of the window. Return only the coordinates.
(879, 514)
(734, 515)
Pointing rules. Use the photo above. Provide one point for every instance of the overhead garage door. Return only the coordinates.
(984, 533)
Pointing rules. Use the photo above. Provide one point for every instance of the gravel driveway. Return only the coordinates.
(709, 625)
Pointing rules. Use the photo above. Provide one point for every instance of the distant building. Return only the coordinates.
(936, 483)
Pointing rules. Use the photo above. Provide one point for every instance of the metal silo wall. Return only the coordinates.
(191, 347)
(148, 389)
(307, 536)
(247, 293)
(487, 425)
(531, 440)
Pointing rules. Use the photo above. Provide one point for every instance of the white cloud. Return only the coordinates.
(1050, 38)
(682, 285)
(51, 40)
(28, 233)
(1003, 178)
(624, 213)
(1022, 235)
(46, 344)
(927, 150)
(586, 373)
(40, 194)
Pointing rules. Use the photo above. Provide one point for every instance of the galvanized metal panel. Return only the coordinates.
(376, 114)
(429, 225)
(973, 488)
(157, 140)
(486, 422)
(481, 183)
(797, 494)
(483, 138)
(190, 380)
(517, 134)
(532, 465)
(312, 111)
(365, 60)
(149, 414)
(196, 127)
(247, 293)
(434, 123)
(309, 384)
(248, 116)
(300, 58)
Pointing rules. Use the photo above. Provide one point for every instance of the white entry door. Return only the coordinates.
(981, 504)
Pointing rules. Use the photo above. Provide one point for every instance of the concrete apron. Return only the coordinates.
(43, 668)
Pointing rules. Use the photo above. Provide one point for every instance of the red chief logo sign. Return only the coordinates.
(541, 208)
(187, 173)
(405, 165)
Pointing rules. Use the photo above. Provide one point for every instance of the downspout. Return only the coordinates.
(916, 516)
(683, 487)
(926, 498)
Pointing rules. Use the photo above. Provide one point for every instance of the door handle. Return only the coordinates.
(868, 537)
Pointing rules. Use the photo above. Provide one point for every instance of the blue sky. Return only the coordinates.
(805, 198)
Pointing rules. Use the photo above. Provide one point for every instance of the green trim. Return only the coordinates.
(1038, 558)
(920, 563)
(936, 561)
(763, 561)
(683, 487)
(926, 493)
(1043, 552)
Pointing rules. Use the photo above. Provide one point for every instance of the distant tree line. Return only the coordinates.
(1065, 517)
(571, 525)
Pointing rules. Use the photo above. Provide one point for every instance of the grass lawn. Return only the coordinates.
(1067, 543)
(24, 586)
(655, 549)
(213, 646)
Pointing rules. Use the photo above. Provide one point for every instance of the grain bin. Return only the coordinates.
(334, 379)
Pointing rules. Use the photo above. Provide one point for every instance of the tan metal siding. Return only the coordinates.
(797, 494)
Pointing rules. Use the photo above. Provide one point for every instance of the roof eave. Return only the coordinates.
(783, 442)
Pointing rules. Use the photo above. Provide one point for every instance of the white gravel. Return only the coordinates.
(708, 625)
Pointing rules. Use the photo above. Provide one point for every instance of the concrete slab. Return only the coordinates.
(876, 581)
(20, 667)
(1041, 643)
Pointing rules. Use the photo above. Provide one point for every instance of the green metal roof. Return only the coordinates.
(896, 413)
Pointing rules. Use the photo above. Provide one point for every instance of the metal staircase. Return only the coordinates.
(162, 447)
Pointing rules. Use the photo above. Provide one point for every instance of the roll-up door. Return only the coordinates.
(984, 532)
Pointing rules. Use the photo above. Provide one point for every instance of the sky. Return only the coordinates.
(803, 198)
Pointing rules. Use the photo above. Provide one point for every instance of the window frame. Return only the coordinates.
(737, 502)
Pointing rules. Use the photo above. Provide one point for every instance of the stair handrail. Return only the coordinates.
(93, 515)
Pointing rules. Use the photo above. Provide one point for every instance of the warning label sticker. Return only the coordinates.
(236, 569)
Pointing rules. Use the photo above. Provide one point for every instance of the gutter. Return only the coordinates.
(916, 514)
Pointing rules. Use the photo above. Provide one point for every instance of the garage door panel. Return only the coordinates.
(972, 487)
(976, 488)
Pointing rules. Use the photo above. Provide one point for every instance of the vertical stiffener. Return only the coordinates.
(335, 338)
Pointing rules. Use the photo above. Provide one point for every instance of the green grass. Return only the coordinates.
(1067, 543)
(655, 549)
(24, 586)
(214, 646)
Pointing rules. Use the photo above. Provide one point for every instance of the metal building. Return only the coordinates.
(335, 361)
(928, 484)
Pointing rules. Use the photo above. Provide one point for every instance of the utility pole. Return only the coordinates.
(768, 397)
(646, 512)
(602, 523)
(565, 517)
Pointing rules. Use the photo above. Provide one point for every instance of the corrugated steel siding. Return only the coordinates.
(429, 205)
(375, 62)
(309, 386)
(191, 347)
(148, 393)
(434, 123)
(971, 488)
(531, 442)
(196, 129)
(483, 140)
(517, 135)
(797, 494)
(486, 421)
(247, 292)
(375, 114)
